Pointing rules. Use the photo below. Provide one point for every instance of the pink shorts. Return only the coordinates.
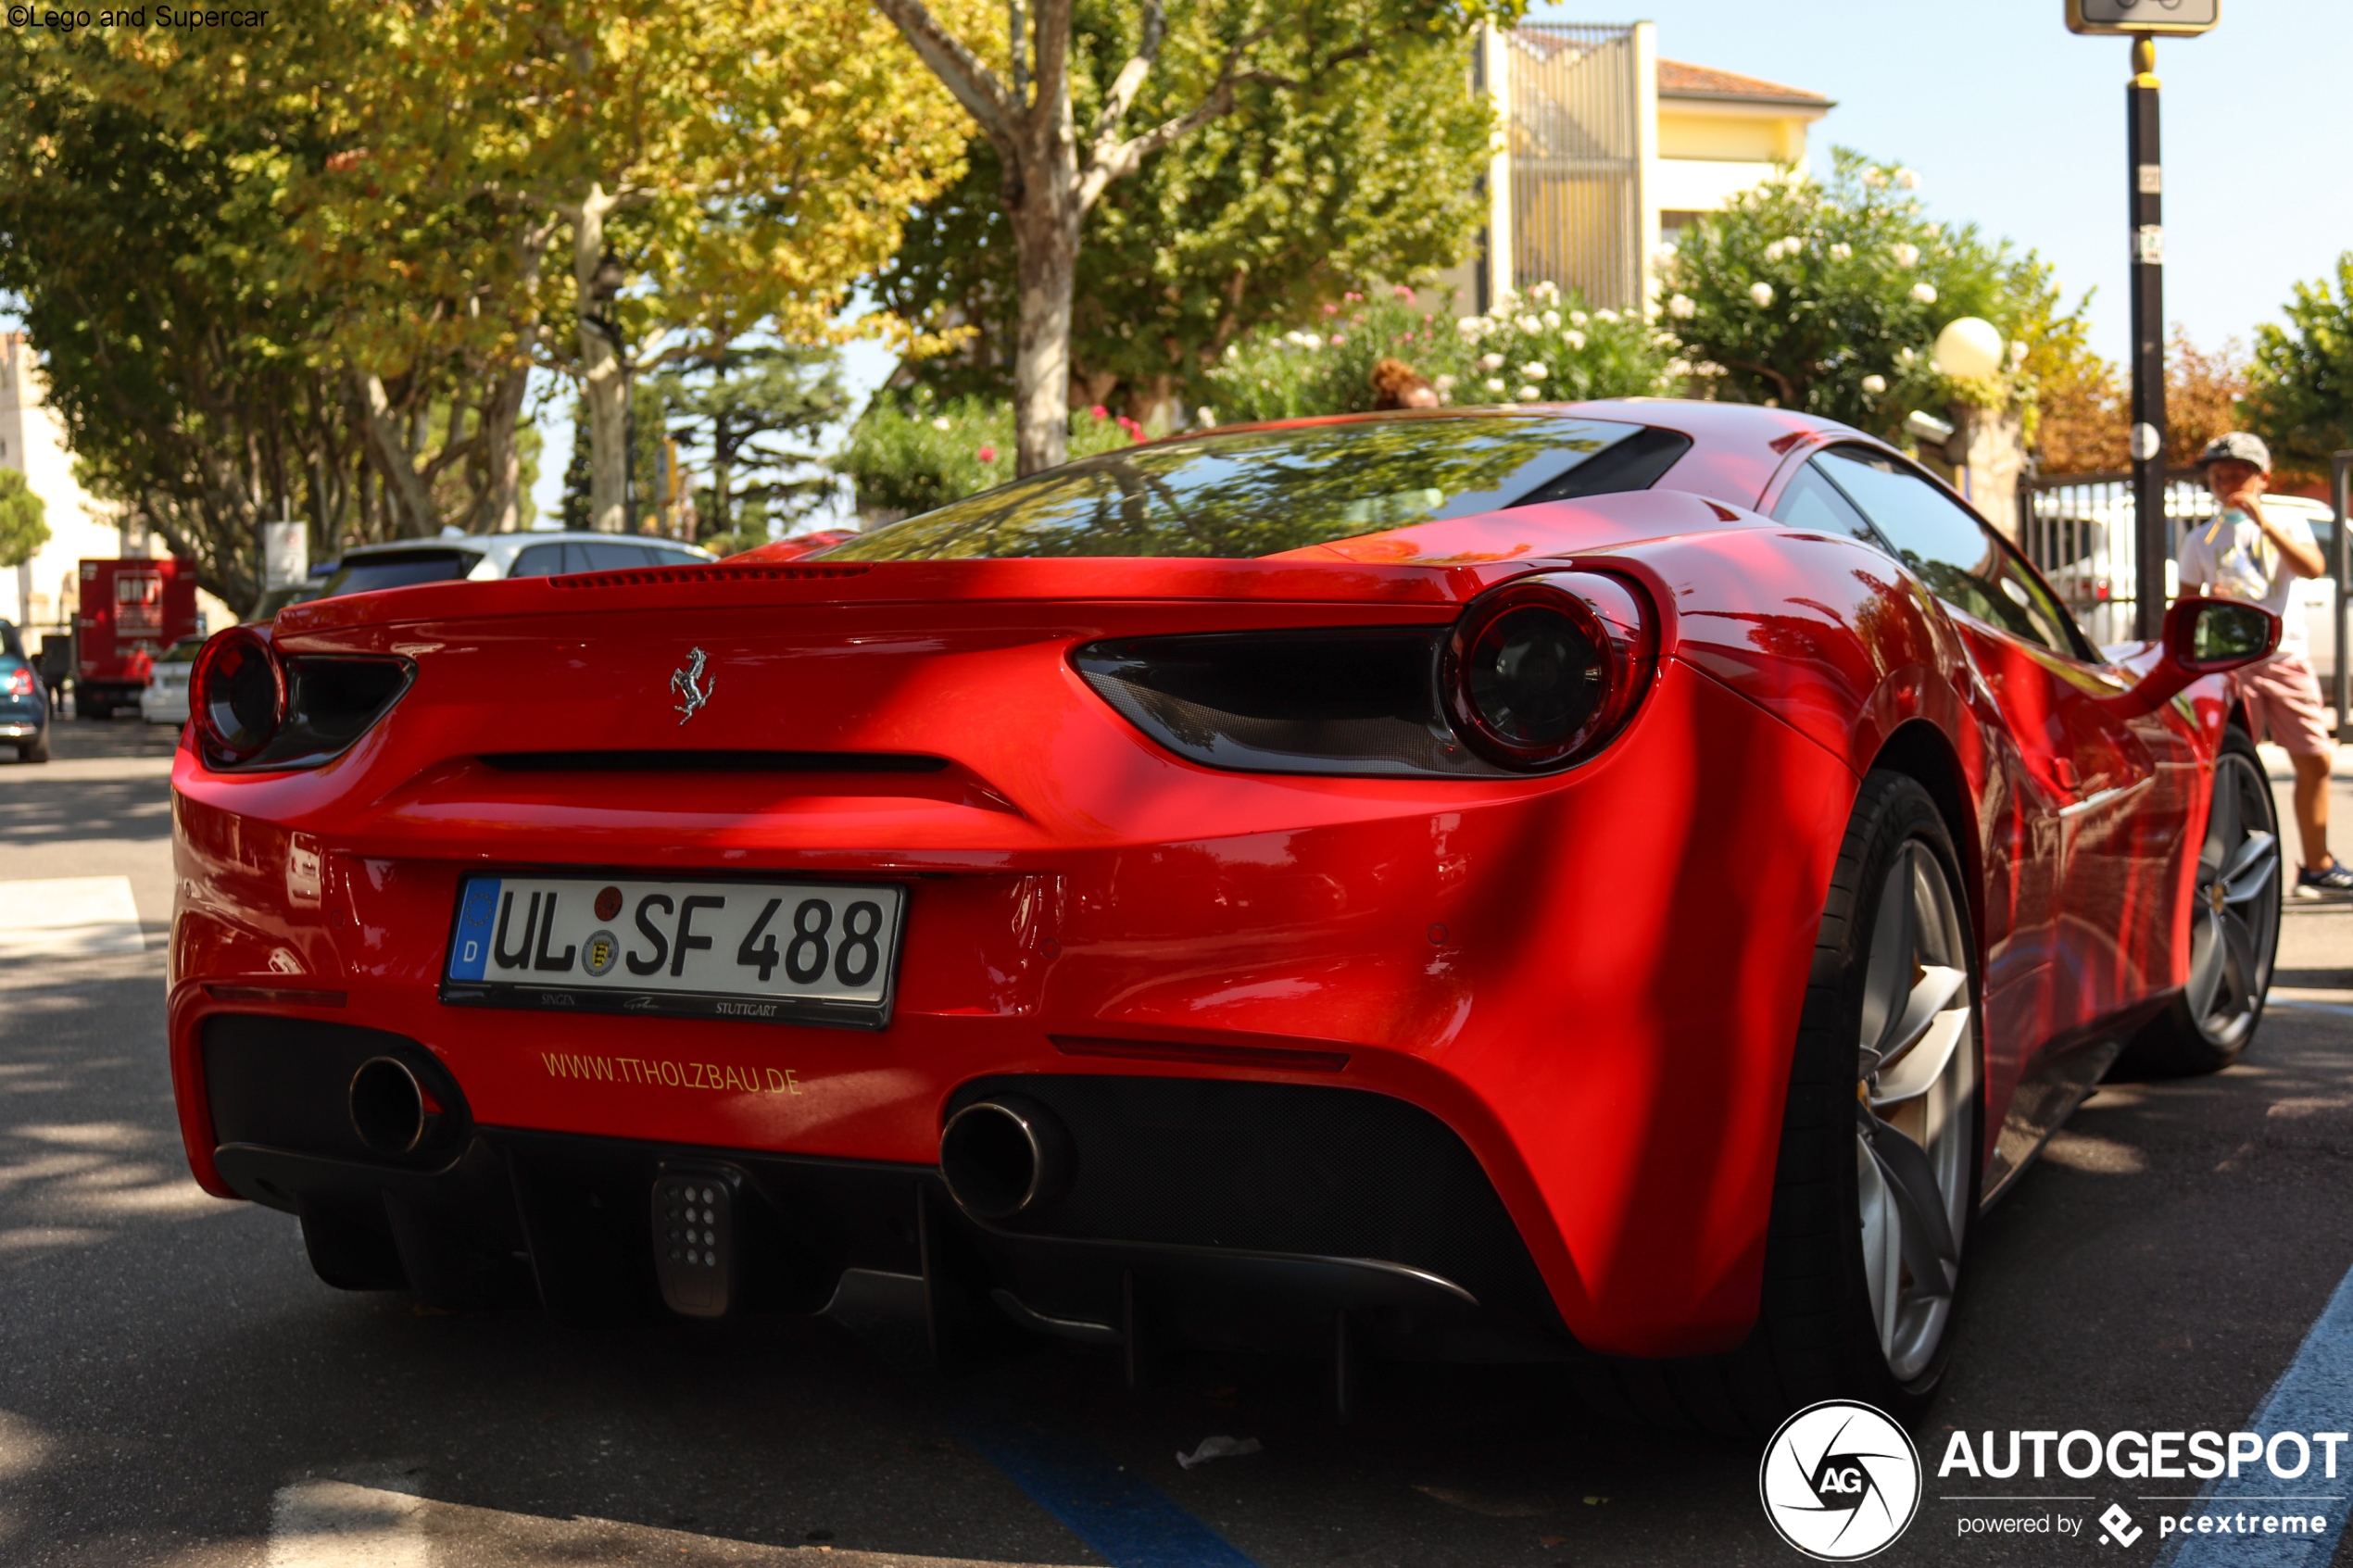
(2283, 705)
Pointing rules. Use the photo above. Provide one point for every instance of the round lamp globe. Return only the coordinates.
(1969, 347)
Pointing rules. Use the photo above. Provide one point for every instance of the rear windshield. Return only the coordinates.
(1257, 493)
(398, 568)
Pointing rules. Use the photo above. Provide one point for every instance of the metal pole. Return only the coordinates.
(2153, 542)
(2341, 568)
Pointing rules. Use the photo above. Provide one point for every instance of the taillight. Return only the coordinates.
(19, 682)
(237, 694)
(1542, 673)
(258, 711)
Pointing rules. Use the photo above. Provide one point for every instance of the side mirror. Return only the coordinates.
(2205, 636)
(2202, 638)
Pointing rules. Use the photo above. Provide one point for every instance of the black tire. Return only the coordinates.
(2235, 927)
(34, 750)
(91, 707)
(1816, 1335)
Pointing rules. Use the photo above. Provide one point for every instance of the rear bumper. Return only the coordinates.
(1270, 1235)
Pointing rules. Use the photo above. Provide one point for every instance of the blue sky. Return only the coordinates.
(2017, 125)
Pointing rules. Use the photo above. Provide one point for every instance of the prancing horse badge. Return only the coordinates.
(691, 685)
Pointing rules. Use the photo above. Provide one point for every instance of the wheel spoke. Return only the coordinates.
(2238, 944)
(1929, 1250)
(2250, 869)
(1931, 995)
(1882, 1228)
(2222, 821)
(2206, 957)
(1887, 980)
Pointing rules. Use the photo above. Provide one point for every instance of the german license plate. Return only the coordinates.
(780, 952)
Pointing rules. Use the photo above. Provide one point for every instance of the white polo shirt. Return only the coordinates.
(2229, 557)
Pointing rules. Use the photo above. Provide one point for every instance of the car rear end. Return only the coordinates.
(164, 699)
(1008, 939)
(24, 703)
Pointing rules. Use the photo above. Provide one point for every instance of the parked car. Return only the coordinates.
(164, 699)
(275, 599)
(479, 558)
(24, 703)
(2084, 541)
(1619, 883)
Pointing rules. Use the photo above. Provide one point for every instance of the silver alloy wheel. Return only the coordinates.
(1915, 1107)
(2234, 929)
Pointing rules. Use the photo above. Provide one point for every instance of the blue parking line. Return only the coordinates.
(2315, 1394)
(1127, 1521)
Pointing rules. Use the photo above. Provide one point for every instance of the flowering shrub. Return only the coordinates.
(1539, 345)
(909, 455)
(1826, 297)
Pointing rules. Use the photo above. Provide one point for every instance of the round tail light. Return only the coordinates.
(237, 694)
(1545, 670)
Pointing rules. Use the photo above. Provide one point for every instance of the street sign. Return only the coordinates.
(285, 553)
(2177, 18)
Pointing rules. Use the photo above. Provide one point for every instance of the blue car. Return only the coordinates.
(24, 706)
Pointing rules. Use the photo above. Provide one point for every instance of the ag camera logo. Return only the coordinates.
(1840, 1481)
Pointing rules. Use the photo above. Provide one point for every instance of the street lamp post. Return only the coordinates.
(2143, 20)
(604, 287)
(2153, 541)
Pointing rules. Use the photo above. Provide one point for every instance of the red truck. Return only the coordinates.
(132, 610)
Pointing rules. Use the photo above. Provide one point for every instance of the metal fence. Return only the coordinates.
(2079, 529)
(1576, 158)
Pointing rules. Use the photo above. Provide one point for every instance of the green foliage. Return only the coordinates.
(573, 511)
(23, 529)
(1581, 354)
(752, 416)
(2302, 394)
(910, 455)
(1826, 296)
(1353, 155)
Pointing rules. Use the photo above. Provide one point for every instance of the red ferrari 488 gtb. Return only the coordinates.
(1622, 883)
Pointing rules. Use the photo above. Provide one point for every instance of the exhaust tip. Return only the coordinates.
(388, 1106)
(1004, 1156)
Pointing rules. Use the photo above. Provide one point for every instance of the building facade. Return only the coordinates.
(1608, 151)
(41, 595)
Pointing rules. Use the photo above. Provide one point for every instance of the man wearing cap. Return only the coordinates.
(2247, 554)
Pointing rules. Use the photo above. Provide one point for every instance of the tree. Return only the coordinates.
(1052, 175)
(1260, 218)
(184, 381)
(2301, 396)
(1825, 297)
(22, 528)
(748, 166)
(752, 413)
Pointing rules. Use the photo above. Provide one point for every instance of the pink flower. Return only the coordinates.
(1402, 292)
(1352, 296)
(986, 454)
(1099, 411)
(1331, 309)
(1338, 340)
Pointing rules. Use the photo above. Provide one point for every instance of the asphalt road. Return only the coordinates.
(176, 1387)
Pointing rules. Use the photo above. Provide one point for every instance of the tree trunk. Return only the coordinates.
(502, 507)
(1046, 217)
(388, 447)
(602, 387)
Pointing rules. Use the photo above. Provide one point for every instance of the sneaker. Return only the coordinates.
(2337, 880)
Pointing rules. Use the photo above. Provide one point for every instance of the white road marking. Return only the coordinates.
(336, 1524)
(69, 917)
